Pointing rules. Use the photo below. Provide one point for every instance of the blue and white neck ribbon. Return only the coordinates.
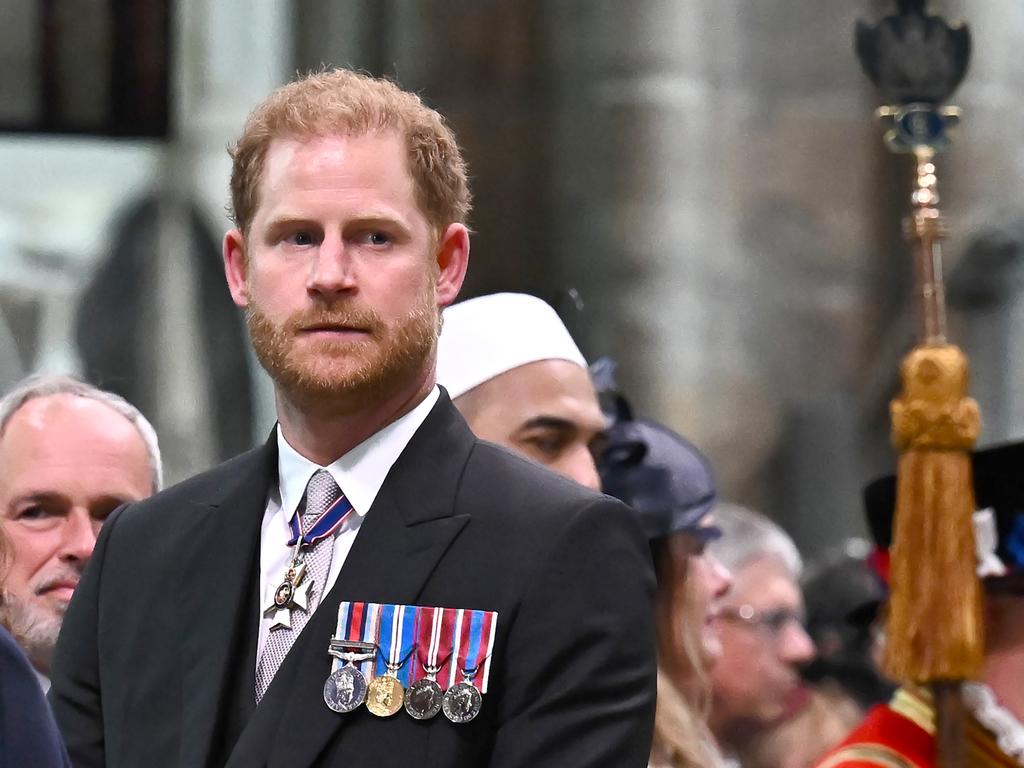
(396, 639)
(329, 521)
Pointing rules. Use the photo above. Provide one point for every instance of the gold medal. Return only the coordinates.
(385, 696)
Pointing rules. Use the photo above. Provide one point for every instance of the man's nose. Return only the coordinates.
(78, 537)
(332, 271)
(722, 576)
(795, 645)
(578, 464)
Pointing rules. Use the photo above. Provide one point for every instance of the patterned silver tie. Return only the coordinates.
(321, 493)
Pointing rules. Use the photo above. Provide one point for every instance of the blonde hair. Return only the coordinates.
(340, 102)
(682, 738)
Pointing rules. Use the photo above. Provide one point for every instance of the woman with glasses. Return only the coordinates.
(670, 486)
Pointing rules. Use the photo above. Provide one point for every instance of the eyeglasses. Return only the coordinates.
(772, 623)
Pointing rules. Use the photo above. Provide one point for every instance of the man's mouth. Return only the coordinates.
(333, 330)
(62, 589)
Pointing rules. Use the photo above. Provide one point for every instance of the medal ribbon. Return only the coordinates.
(357, 622)
(325, 525)
(474, 635)
(434, 627)
(397, 639)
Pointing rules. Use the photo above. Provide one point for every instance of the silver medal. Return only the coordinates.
(423, 699)
(462, 702)
(292, 594)
(345, 689)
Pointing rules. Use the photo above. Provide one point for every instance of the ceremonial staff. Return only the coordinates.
(934, 629)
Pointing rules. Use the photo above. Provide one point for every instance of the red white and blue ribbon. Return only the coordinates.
(329, 521)
(474, 643)
(358, 622)
(396, 641)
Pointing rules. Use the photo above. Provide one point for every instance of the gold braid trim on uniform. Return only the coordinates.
(915, 704)
(876, 754)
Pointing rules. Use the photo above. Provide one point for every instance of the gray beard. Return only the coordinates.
(35, 630)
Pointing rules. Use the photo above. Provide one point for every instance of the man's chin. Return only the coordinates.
(35, 627)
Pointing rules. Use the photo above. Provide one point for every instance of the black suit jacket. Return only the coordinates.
(28, 735)
(155, 663)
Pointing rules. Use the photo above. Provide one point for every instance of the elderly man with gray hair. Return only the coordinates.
(756, 683)
(69, 455)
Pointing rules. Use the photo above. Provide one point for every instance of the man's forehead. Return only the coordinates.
(65, 429)
(766, 582)
(321, 154)
(45, 413)
(551, 389)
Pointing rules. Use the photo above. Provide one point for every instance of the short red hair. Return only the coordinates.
(341, 102)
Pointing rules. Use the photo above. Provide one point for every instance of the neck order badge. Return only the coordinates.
(293, 591)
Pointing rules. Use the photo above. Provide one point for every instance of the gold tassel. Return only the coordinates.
(934, 628)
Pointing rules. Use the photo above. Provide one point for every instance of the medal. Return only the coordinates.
(462, 702)
(385, 695)
(292, 593)
(474, 641)
(345, 689)
(397, 634)
(423, 699)
(434, 634)
(353, 647)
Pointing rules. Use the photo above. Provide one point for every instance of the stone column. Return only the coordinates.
(711, 193)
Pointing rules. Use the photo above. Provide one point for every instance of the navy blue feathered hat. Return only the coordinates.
(662, 476)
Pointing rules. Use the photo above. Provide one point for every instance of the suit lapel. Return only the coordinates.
(404, 535)
(215, 593)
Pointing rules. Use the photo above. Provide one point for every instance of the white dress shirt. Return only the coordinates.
(360, 473)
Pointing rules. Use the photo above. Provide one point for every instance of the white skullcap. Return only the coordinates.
(489, 335)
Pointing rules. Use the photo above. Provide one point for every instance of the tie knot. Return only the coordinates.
(321, 493)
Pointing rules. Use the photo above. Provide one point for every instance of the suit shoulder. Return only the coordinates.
(509, 481)
(490, 463)
(208, 487)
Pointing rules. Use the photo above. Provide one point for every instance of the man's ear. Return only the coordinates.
(235, 267)
(452, 263)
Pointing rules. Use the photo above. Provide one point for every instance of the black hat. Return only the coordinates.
(998, 485)
(839, 587)
(662, 476)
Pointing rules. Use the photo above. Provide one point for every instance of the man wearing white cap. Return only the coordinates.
(514, 372)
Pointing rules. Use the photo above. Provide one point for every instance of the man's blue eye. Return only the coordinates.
(300, 238)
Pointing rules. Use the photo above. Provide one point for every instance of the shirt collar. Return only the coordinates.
(360, 473)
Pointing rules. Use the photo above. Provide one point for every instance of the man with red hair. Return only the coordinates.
(221, 622)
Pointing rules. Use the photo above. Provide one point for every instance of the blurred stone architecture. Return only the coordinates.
(705, 173)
